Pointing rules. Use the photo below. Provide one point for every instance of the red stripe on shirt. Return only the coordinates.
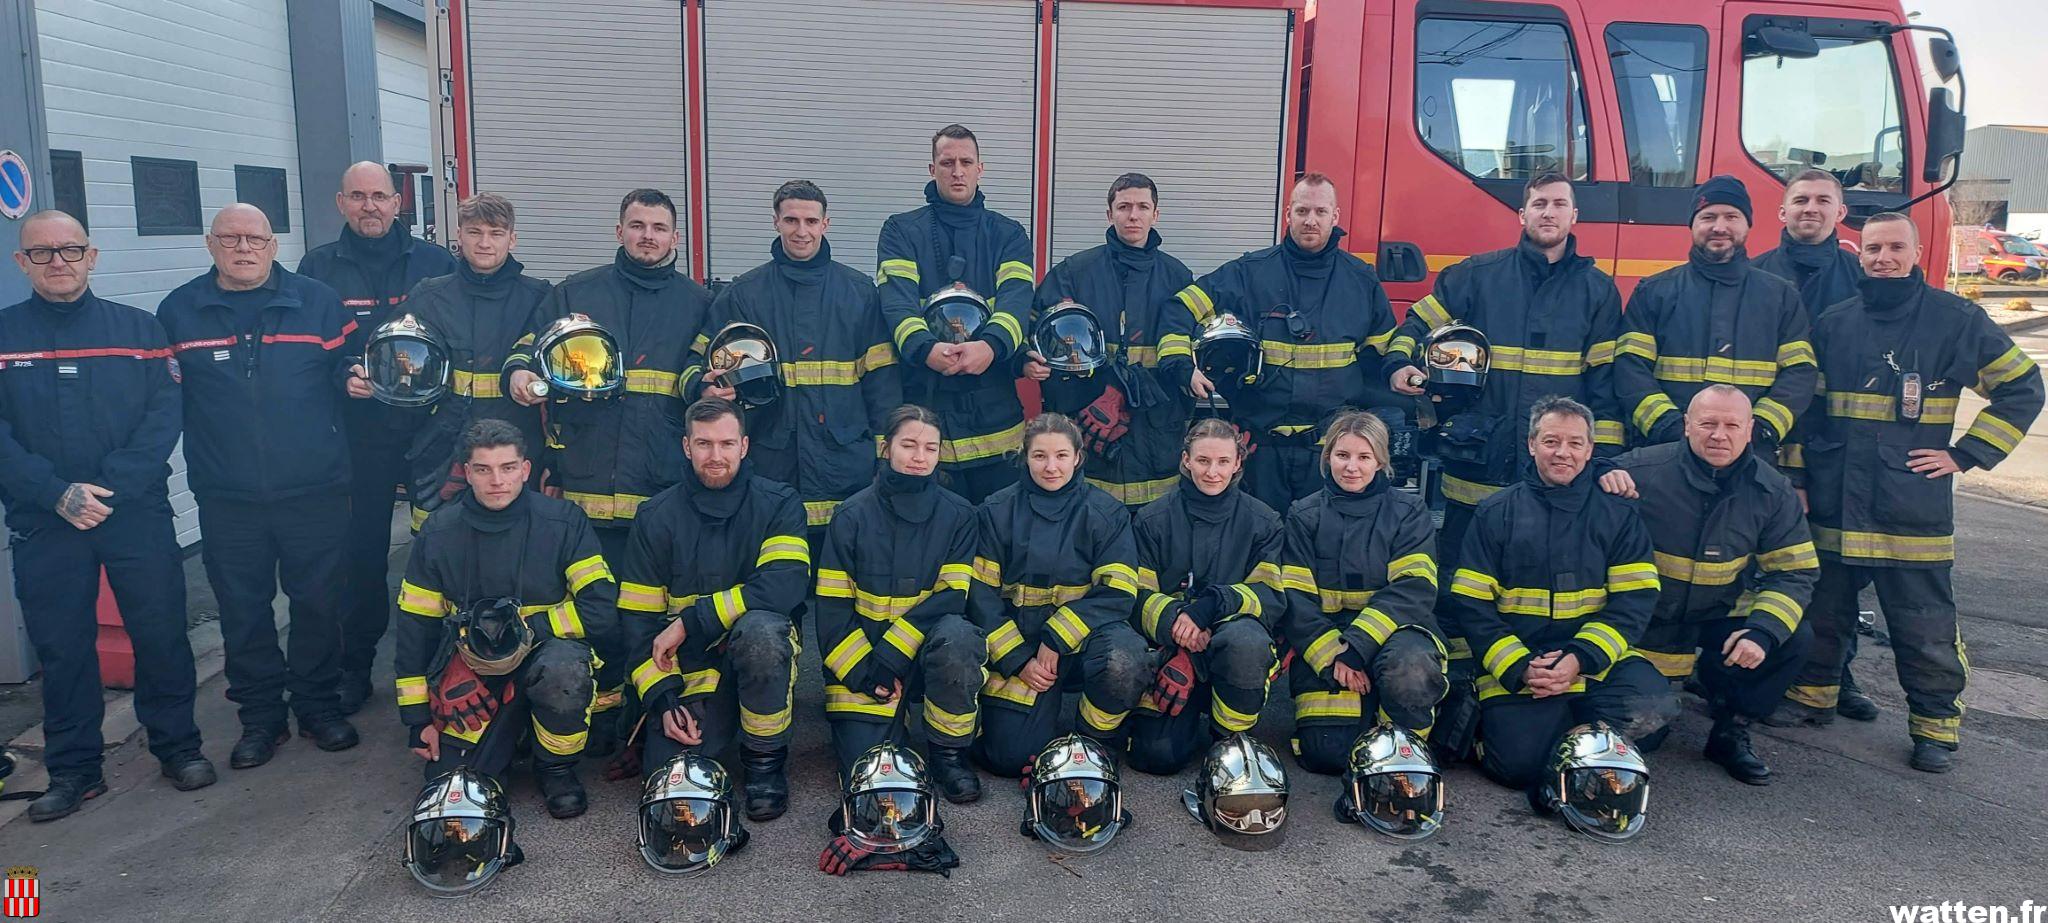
(110, 352)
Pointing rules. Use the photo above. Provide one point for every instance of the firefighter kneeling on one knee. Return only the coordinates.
(504, 593)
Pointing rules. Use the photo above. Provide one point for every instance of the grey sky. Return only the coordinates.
(2001, 43)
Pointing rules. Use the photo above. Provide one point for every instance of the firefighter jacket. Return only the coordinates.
(609, 456)
(1868, 507)
(373, 278)
(1825, 274)
(1550, 329)
(1548, 568)
(1324, 323)
(1052, 567)
(1358, 566)
(1728, 543)
(706, 557)
(1714, 323)
(1189, 541)
(1150, 333)
(839, 374)
(88, 395)
(984, 420)
(898, 556)
(539, 550)
(263, 405)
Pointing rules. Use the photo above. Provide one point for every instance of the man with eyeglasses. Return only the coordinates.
(89, 414)
(373, 266)
(261, 351)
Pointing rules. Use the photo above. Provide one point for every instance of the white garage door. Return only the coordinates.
(1192, 97)
(572, 111)
(402, 89)
(847, 94)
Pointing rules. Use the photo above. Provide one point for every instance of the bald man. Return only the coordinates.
(89, 413)
(265, 374)
(372, 267)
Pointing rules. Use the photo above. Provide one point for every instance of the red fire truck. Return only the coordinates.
(1429, 113)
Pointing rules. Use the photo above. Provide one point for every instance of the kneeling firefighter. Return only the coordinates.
(504, 593)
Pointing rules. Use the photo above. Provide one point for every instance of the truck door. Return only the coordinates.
(1660, 75)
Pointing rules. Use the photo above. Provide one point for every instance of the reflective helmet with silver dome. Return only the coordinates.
(461, 833)
(577, 358)
(956, 313)
(1456, 355)
(687, 821)
(407, 363)
(1229, 353)
(1077, 806)
(1599, 782)
(1241, 793)
(888, 805)
(1392, 784)
(744, 355)
(1071, 340)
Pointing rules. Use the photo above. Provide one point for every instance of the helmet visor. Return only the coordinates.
(1077, 815)
(406, 372)
(1250, 814)
(1404, 805)
(1606, 803)
(1071, 343)
(956, 321)
(583, 363)
(455, 855)
(889, 820)
(683, 834)
(1229, 363)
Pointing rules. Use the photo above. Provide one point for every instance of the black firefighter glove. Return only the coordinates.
(1763, 443)
(460, 700)
(1103, 423)
(1174, 683)
(843, 855)
(1212, 603)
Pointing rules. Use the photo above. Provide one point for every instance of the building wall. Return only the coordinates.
(2019, 154)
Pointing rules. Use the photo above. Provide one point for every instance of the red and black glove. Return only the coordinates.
(459, 699)
(842, 855)
(1175, 683)
(1104, 422)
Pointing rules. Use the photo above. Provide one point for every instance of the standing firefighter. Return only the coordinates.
(966, 374)
(503, 592)
(1880, 453)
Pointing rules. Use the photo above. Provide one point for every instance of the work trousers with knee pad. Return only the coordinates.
(550, 692)
(947, 678)
(1518, 733)
(1234, 671)
(1679, 649)
(744, 688)
(1407, 674)
(1114, 669)
(1919, 606)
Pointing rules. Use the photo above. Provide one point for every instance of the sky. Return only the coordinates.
(2000, 42)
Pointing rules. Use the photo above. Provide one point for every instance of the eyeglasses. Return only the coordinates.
(232, 241)
(359, 198)
(42, 255)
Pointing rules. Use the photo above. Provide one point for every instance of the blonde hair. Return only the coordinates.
(1363, 425)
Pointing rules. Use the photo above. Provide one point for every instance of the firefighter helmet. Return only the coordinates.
(461, 833)
(493, 636)
(956, 313)
(1599, 782)
(1241, 794)
(1393, 785)
(577, 358)
(888, 805)
(1228, 353)
(1071, 340)
(744, 356)
(1457, 355)
(687, 821)
(406, 362)
(1077, 806)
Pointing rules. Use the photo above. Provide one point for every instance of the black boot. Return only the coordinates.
(561, 788)
(331, 733)
(64, 796)
(1728, 745)
(189, 773)
(1648, 743)
(1853, 704)
(767, 787)
(1792, 714)
(953, 775)
(1929, 756)
(355, 690)
(257, 746)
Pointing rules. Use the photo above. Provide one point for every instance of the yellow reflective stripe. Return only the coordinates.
(419, 600)
(605, 506)
(2011, 364)
(1457, 649)
(1636, 343)
(563, 620)
(1311, 706)
(1637, 575)
(1137, 493)
(1792, 455)
(1777, 415)
(1008, 323)
(1412, 565)
(1004, 639)
(1431, 311)
(897, 269)
(1718, 369)
(755, 724)
(1652, 407)
(1344, 600)
(582, 573)
(1379, 342)
(1781, 607)
(1148, 615)
(1298, 578)
(419, 518)
(412, 690)
(1469, 493)
(639, 597)
(1882, 408)
(955, 576)
(801, 373)
(841, 700)
(1941, 730)
(908, 327)
(1117, 577)
(948, 724)
(1880, 546)
(1309, 355)
(1502, 655)
(1402, 346)
(1791, 557)
(1797, 352)
(1815, 696)
(1673, 666)
(1227, 718)
(1014, 271)
(1609, 432)
(973, 448)
(559, 744)
(834, 584)
(783, 548)
(478, 384)
(1999, 434)
(1601, 353)
(1538, 361)
(1266, 573)
(700, 683)
(729, 604)
(1375, 624)
(646, 675)
(1322, 651)
(987, 571)
(848, 653)
(652, 381)
(1069, 627)
(1009, 689)
(1248, 601)
(1174, 344)
(904, 637)
(1024, 594)
(1099, 719)
(1148, 579)
(1199, 303)
(1475, 585)
(1604, 637)
(1699, 573)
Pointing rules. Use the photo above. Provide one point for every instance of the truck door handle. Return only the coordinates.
(1401, 261)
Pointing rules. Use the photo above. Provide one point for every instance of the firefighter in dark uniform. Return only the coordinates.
(1715, 320)
(892, 609)
(265, 368)
(372, 267)
(1880, 452)
(478, 311)
(1209, 600)
(1055, 585)
(711, 571)
(89, 413)
(1325, 324)
(1736, 568)
(503, 545)
(1554, 586)
(1810, 255)
(838, 375)
(609, 456)
(1361, 586)
(1135, 419)
(955, 238)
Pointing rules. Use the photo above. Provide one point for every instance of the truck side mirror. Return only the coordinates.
(1943, 57)
(1945, 127)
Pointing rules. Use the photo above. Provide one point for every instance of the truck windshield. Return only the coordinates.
(1501, 100)
(1838, 111)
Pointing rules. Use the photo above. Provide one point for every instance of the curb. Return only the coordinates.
(2025, 324)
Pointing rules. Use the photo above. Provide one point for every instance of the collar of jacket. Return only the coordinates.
(717, 502)
(1313, 264)
(1129, 257)
(1054, 505)
(802, 272)
(62, 311)
(1201, 507)
(497, 279)
(1539, 263)
(376, 251)
(1361, 503)
(485, 519)
(1728, 273)
(1711, 480)
(1569, 498)
(652, 278)
(1886, 299)
(1809, 256)
(911, 497)
(953, 216)
(217, 296)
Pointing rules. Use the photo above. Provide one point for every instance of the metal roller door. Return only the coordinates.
(1190, 96)
(847, 93)
(569, 115)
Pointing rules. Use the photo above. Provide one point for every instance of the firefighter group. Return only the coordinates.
(1507, 529)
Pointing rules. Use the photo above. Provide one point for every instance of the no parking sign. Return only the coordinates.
(16, 189)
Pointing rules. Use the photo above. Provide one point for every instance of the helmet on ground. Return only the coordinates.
(407, 363)
(1229, 353)
(1392, 784)
(461, 833)
(1599, 782)
(1457, 355)
(687, 821)
(578, 359)
(745, 356)
(1076, 804)
(1071, 339)
(493, 636)
(888, 805)
(1241, 794)
(956, 313)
